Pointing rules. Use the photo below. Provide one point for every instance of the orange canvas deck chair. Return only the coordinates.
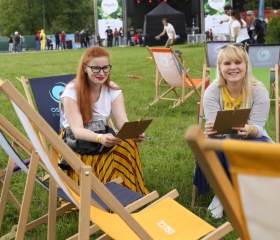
(171, 69)
(251, 200)
(164, 219)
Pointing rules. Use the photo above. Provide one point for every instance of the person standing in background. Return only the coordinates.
(239, 29)
(17, 42)
(42, 39)
(63, 40)
(211, 35)
(170, 31)
(116, 38)
(259, 36)
(228, 9)
(11, 43)
(87, 34)
(109, 34)
(57, 40)
(77, 39)
(121, 34)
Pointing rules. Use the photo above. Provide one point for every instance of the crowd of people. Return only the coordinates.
(16, 42)
(240, 32)
(116, 38)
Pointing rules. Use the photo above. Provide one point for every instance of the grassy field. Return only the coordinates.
(168, 162)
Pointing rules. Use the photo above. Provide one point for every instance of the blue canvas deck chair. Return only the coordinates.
(251, 199)
(46, 92)
(171, 69)
(164, 219)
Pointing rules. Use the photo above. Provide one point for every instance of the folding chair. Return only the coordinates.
(251, 200)
(164, 219)
(128, 198)
(170, 68)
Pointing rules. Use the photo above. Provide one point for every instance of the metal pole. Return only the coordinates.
(261, 10)
(95, 16)
(44, 21)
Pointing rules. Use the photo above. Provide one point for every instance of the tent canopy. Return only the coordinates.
(153, 23)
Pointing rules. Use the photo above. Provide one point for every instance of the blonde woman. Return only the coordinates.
(234, 88)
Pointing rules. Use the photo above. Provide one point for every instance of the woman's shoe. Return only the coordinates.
(216, 208)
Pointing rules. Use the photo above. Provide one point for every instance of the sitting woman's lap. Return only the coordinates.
(121, 161)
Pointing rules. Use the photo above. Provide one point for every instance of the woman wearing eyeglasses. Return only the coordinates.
(234, 88)
(91, 97)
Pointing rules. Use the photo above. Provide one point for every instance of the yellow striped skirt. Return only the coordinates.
(121, 161)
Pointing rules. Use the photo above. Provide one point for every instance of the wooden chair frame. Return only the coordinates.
(180, 78)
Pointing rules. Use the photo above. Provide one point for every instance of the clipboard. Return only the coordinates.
(133, 129)
(227, 119)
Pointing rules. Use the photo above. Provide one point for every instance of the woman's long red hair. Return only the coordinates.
(82, 81)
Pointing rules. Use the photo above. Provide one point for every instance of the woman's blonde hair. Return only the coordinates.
(237, 53)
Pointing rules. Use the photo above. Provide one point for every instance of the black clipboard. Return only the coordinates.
(227, 119)
(133, 129)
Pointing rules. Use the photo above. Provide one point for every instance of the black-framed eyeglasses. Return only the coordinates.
(97, 69)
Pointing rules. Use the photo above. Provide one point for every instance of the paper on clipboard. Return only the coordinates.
(133, 129)
(228, 119)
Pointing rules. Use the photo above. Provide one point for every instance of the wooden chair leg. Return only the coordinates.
(194, 193)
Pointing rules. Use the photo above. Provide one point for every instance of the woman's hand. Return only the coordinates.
(109, 140)
(243, 131)
(209, 128)
(140, 138)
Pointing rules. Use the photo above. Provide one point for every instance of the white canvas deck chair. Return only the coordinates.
(165, 219)
(251, 200)
(128, 198)
(171, 69)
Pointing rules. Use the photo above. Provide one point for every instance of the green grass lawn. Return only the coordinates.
(168, 161)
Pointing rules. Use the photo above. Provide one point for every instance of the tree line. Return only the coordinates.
(29, 16)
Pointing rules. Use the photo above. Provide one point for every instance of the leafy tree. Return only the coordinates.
(273, 33)
(28, 16)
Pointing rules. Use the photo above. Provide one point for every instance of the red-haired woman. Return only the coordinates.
(91, 97)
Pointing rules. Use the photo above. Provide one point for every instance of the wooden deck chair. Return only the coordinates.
(251, 200)
(170, 68)
(132, 200)
(128, 198)
(164, 219)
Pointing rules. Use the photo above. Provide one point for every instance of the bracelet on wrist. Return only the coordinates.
(251, 129)
(98, 138)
